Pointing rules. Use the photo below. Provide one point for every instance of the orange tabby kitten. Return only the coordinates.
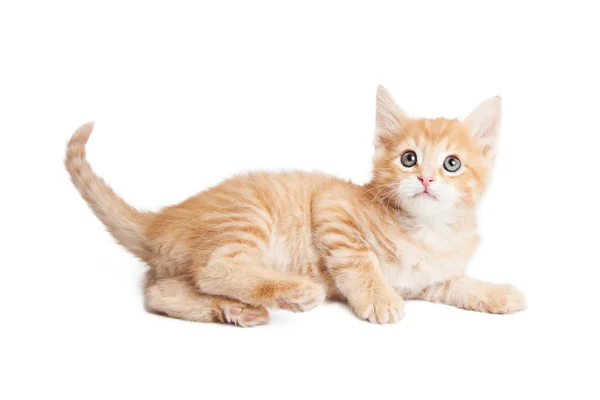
(290, 240)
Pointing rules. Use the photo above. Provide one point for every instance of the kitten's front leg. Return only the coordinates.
(476, 295)
(357, 275)
(352, 264)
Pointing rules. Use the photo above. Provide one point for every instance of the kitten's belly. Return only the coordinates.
(279, 254)
(290, 252)
(293, 253)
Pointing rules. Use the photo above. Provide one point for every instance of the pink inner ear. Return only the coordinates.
(490, 128)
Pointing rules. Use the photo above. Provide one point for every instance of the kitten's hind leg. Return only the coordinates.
(241, 276)
(177, 298)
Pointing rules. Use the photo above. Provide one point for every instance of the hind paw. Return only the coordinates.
(244, 315)
(301, 297)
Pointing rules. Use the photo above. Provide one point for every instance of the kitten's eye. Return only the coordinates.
(409, 159)
(452, 164)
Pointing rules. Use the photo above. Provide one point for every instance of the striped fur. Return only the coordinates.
(290, 240)
(124, 222)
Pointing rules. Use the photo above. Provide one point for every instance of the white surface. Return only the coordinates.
(186, 95)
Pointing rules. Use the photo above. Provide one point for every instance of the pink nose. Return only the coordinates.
(426, 180)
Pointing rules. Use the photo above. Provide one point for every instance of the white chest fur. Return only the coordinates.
(428, 255)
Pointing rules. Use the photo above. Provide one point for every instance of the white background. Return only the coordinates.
(186, 94)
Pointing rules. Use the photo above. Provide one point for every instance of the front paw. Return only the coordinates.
(381, 308)
(504, 299)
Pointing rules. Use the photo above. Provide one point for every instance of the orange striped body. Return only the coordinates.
(290, 240)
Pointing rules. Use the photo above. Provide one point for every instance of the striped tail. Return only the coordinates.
(125, 223)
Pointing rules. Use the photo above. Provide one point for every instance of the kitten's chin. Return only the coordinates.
(427, 205)
(424, 195)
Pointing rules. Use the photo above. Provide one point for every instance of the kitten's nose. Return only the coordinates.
(426, 180)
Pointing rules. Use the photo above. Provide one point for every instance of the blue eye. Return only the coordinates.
(452, 164)
(409, 159)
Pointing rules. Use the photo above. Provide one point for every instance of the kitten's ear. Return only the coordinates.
(484, 123)
(389, 118)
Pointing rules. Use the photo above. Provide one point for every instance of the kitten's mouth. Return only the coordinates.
(425, 195)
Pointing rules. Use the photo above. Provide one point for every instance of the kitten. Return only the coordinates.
(290, 240)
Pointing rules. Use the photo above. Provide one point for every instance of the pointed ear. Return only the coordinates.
(484, 123)
(389, 118)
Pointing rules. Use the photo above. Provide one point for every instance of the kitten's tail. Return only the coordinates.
(124, 222)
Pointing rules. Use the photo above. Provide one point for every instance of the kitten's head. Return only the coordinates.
(432, 166)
